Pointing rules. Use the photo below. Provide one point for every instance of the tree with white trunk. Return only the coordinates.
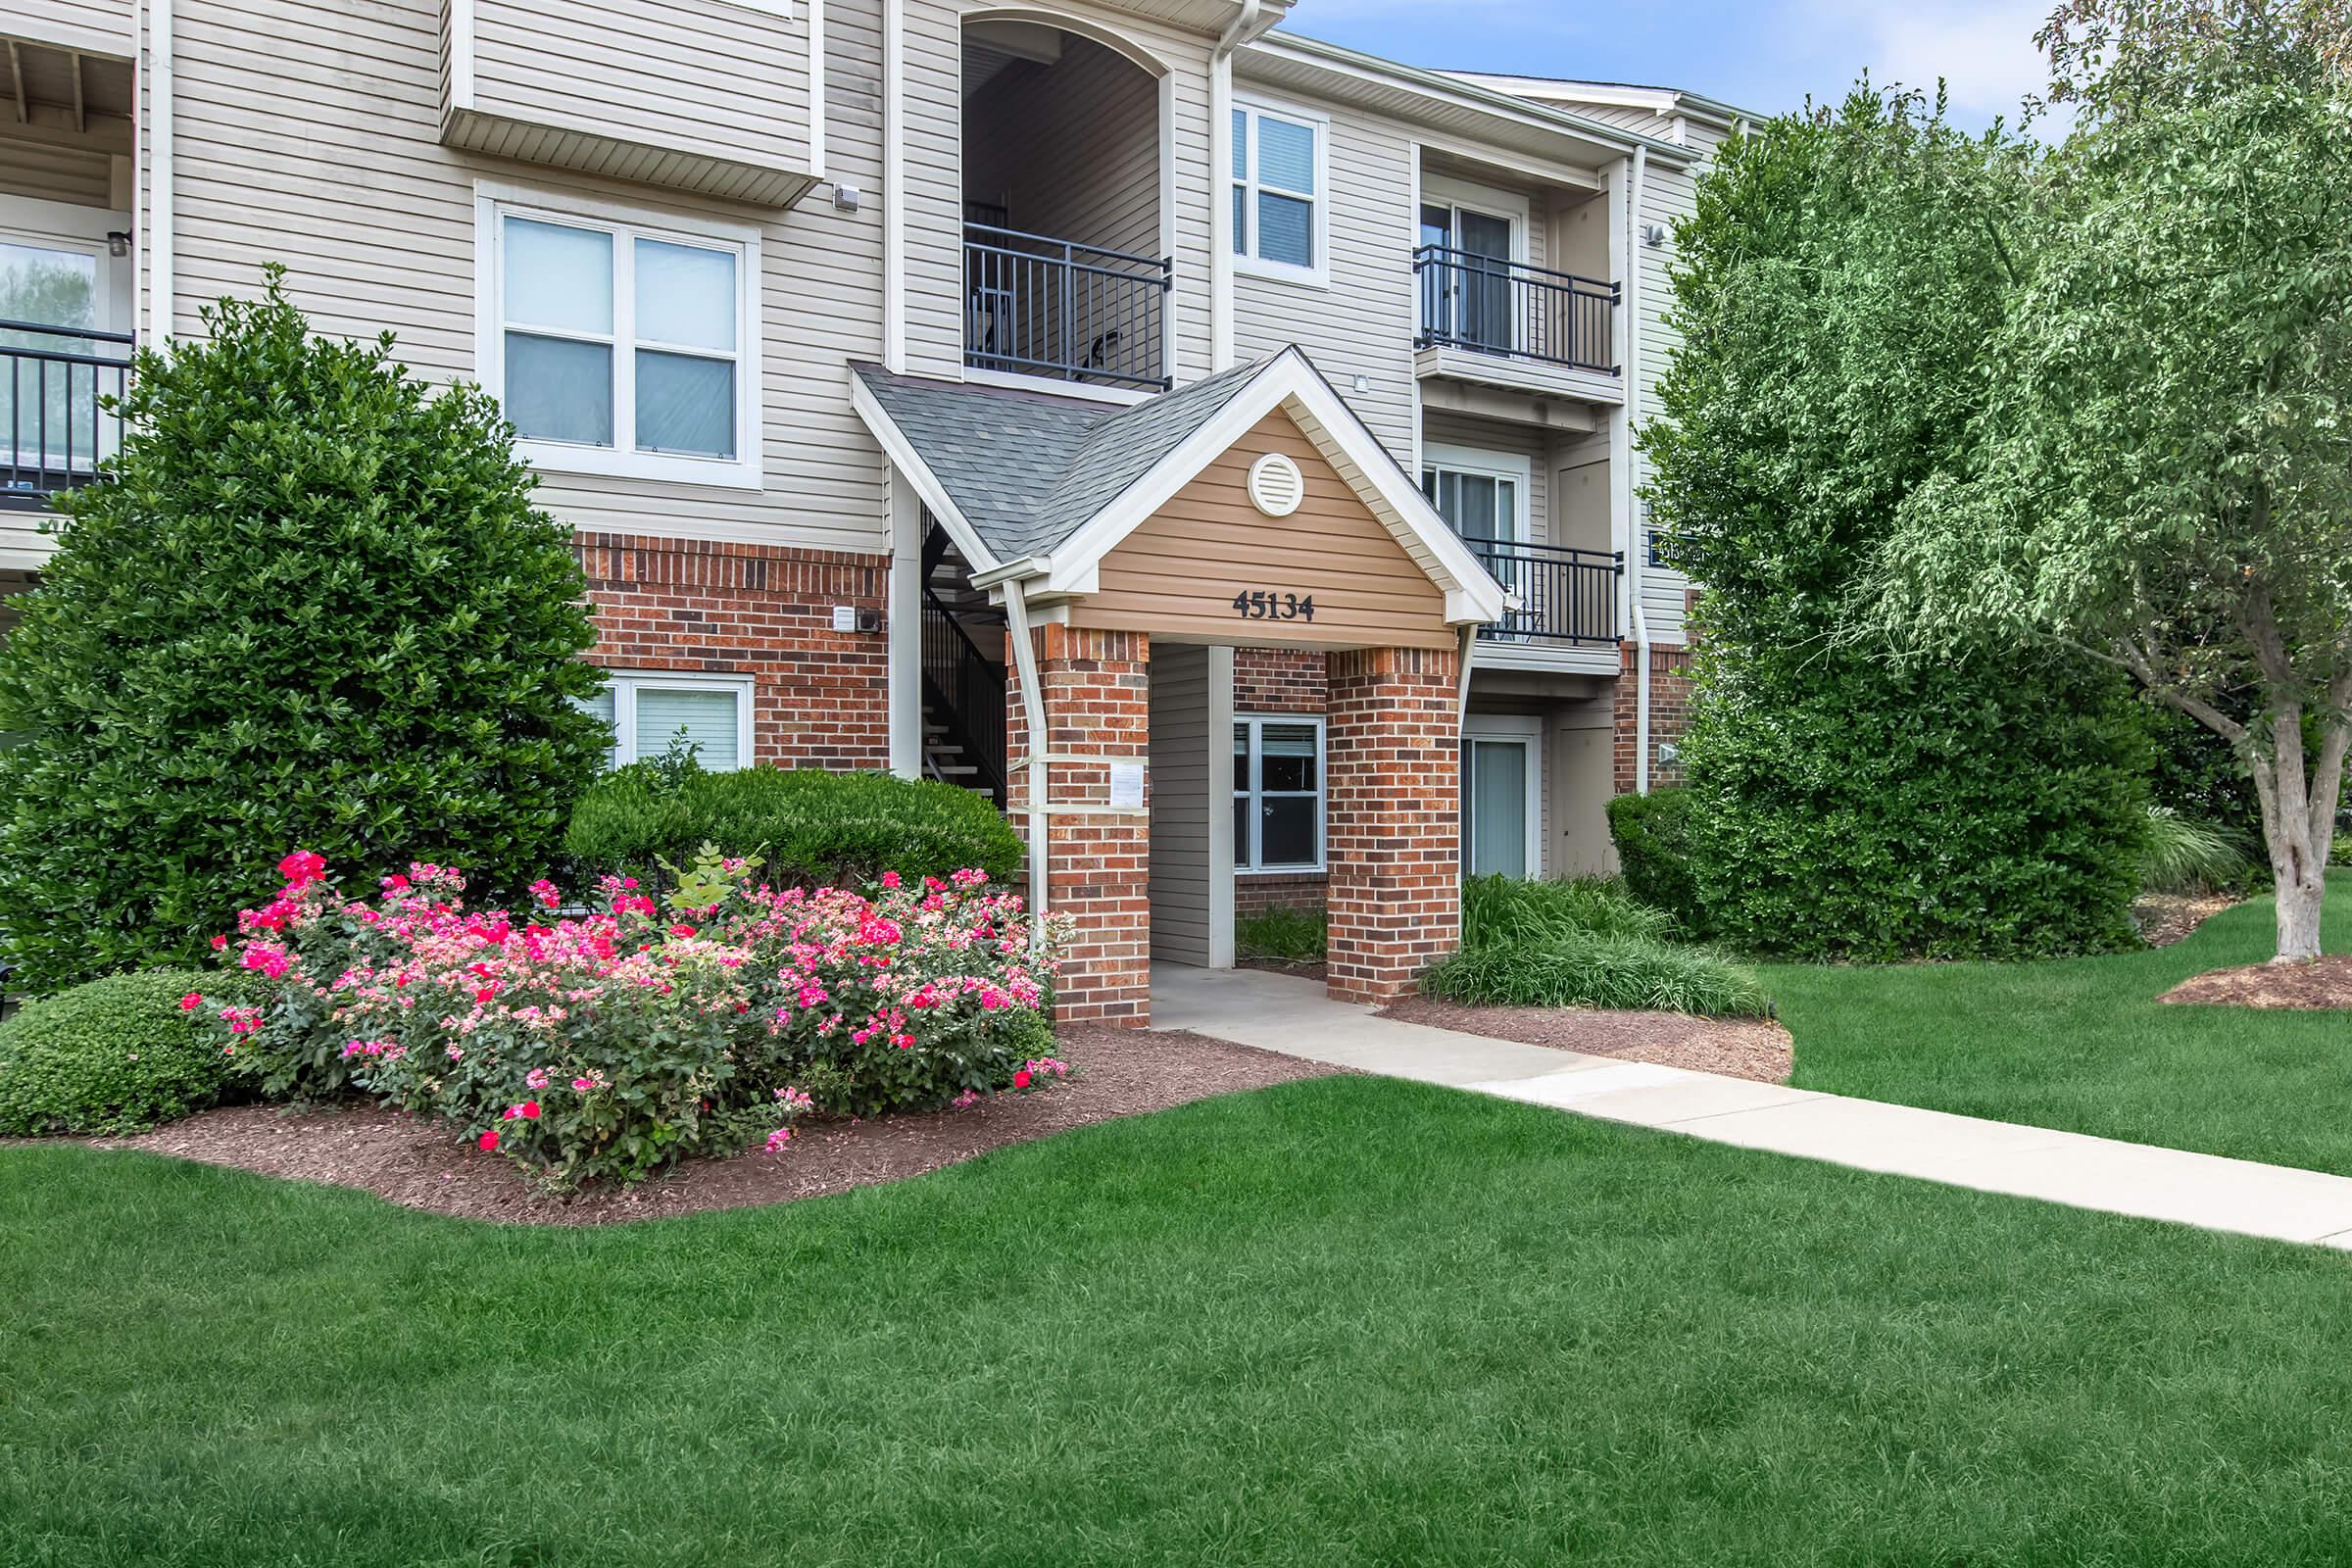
(2161, 475)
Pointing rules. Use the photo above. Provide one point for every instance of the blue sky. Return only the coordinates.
(1765, 55)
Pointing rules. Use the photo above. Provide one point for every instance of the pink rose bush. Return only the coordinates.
(607, 1046)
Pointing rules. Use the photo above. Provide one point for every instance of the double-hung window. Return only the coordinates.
(1278, 794)
(1279, 158)
(623, 348)
(649, 712)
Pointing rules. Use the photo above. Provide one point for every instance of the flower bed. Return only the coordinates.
(608, 1046)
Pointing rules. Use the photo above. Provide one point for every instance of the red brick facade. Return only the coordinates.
(1394, 749)
(819, 698)
(1669, 712)
(1096, 687)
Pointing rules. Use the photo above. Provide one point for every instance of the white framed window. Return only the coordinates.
(1281, 158)
(620, 343)
(1503, 800)
(1483, 496)
(650, 709)
(1277, 792)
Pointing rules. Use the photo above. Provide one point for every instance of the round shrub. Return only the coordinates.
(811, 828)
(112, 1056)
(313, 607)
(1651, 833)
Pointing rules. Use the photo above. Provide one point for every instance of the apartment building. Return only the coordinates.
(1248, 419)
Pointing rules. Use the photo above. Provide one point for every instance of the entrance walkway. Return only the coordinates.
(1277, 1012)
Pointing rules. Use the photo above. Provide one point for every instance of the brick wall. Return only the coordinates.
(1395, 752)
(1669, 712)
(819, 698)
(1098, 708)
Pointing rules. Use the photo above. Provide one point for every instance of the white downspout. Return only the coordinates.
(1220, 164)
(158, 238)
(816, 89)
(1634, 542)
(894, 186)
(1033, 717)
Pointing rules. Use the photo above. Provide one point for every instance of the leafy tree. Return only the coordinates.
(1834, 292)
(315, 606)
(2162, 476)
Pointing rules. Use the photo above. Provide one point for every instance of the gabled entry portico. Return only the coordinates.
(1131, 551)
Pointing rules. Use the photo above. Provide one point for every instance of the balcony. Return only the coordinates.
(709, 96)
(54, 428)
(1567, 599)
(1054, 308)
(1504, 324)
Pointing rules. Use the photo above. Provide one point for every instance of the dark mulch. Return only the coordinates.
(2325, 983)
(419, 1164)
(1302, 968)
(2165, 918)
(1737, 1047)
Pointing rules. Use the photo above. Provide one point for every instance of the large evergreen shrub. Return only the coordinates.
(313, 607)
(1834, 290)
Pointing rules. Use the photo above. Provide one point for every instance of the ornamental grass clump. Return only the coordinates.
(1584, 944)
(606, 1047)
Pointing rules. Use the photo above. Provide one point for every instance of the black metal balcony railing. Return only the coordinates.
(964, 690)
(1565, 595)
(1503, 307)
(1039, 306)
(54, 432)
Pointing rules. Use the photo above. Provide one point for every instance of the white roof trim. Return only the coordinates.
(1660, 101)
(909, 461)
(1289, 382)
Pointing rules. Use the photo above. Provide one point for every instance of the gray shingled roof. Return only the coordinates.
(1028, 469)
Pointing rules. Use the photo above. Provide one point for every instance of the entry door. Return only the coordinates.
(55, 272)
(1467, 297)
(1500, 805)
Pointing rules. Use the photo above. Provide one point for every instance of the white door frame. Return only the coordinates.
(1525, 731)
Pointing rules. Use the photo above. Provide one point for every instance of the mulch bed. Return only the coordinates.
(1737, 1047)
(2324, 984)
(2165, 918)
(418, 1163)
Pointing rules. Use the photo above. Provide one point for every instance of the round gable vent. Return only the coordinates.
(1276, 486)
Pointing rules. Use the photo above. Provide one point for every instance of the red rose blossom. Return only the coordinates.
(1020, 1080)
(488, 1140)
(530, 1110)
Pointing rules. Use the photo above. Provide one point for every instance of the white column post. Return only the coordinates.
(905, 628)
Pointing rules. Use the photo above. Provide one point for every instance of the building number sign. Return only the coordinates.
(1257, 603)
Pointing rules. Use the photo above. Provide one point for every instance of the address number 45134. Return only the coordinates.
(1257, 603)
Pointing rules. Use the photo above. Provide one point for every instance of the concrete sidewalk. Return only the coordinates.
(1278, 1012)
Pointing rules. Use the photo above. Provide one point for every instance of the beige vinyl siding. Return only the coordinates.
(1071, 149)
(935, 177)
(52, 173)
(1179, 570)
(1363, 324)
(94, 26)
(1181, 806)
(308, 133)
(1667, 194)
(700, 78)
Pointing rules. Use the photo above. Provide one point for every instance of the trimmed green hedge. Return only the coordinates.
(1652, 834)
(113, 1055)
(812, 828)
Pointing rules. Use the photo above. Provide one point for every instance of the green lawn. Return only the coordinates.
(2084, 1044)
(1343, 1322)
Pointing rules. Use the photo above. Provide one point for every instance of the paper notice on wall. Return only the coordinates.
(1126, 786)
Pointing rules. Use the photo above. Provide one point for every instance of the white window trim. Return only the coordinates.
(1245, 782)
(1516, 467)
(1455, 194)
(1247, 260)
(624, 685)
(494, 200)
(65, 227)
(1527, 732)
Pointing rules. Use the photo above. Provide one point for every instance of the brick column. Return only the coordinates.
(1098, 693)
(1392, 756)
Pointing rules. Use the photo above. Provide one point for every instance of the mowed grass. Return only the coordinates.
(2082, 1044)
(1350, 1321)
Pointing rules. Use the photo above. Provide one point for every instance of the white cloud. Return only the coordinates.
(1982, 49)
